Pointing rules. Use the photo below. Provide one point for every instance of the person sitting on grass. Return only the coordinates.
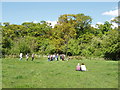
(78, 67)
(83, 67)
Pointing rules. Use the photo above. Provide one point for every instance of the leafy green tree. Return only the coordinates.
(116, 20)
(79, 21)
(65, 32)
(112, 45)
(72, 35)
(6, 24)
(73, 47)
(37, 29)
(104, 28)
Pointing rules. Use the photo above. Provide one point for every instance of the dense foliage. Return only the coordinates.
(72, 35)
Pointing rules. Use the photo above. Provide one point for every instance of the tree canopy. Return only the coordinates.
(72, 35)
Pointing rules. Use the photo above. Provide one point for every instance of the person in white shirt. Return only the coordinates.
(20, 56)
(83, 67)
(53, 56)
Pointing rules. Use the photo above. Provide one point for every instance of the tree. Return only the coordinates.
(116, 20)
(37, 29)
(72, 26)
(72, 35)
(79, 21)
(111, 45)
(62, 34)
(6, 24)
(104, 28)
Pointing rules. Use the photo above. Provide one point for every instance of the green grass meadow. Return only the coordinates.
(58, 74)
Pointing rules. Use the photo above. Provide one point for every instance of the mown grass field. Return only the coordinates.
(58, 74)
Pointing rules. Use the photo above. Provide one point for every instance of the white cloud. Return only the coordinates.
(99, 23)
(96, 23)
(114, 24)
(31, 21)
(35, 21)
(25, 21)
(111, 13)
(93, 25)
(52, 23)
(112, 18)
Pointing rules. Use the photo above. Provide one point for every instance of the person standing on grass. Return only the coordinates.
(63, 57)
(83, 67)
(21, 56)
(56, 57)
(53, 57)
(48, 57)
(33, 56)
(60, 56)
(78, 67)
(27, 56)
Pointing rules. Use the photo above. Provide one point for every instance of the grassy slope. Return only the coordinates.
(59, 74)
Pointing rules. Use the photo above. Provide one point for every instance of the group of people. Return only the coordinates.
(56, 57)
(81, 67)
(27, 56)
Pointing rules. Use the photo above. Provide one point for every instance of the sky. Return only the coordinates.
(19, 12)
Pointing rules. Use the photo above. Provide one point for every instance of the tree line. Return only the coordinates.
(73, 35)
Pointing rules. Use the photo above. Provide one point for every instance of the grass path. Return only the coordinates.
(58, 74)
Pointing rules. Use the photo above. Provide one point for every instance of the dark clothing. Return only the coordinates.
(32, 58)
(62, 58)
(51, 58)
